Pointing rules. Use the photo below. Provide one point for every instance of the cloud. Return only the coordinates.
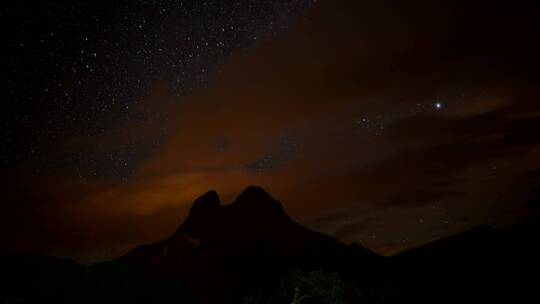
(336, 117)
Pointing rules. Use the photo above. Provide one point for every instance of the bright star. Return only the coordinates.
(438, 105)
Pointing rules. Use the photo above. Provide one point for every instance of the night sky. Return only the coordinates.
(389, 123)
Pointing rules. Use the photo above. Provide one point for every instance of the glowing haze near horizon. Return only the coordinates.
(389, 124)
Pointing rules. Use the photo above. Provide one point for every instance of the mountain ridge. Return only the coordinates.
(229, 251)
(250, 242)
(221, 254)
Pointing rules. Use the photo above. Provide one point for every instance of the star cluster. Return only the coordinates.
(78, 68)
(382, 122)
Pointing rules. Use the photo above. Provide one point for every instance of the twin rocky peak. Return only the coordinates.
(228, 242)
(254, 211)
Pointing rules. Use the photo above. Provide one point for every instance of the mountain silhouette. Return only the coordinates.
(229, 250)
(223, 253)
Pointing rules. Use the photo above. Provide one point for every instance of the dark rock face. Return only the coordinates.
(253, 213)
(207, 203)
(226, 251)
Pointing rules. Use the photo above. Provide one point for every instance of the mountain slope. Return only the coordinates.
(484, 264)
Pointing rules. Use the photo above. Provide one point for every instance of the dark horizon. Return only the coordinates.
(384, 123)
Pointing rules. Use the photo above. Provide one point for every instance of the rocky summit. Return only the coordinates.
(225, 250)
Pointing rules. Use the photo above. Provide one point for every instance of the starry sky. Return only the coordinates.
(388, 123)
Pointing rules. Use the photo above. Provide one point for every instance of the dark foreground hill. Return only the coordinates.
(30, 278)
(250, 251)
(482, 264)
